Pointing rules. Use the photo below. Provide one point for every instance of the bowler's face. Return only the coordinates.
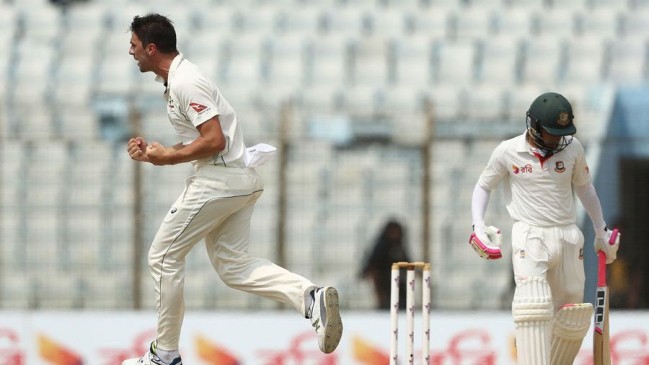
(140, 54)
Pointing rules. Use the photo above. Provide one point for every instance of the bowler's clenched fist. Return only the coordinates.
(157, 154)
(137, 149)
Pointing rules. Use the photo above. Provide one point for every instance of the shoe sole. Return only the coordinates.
(333, 330)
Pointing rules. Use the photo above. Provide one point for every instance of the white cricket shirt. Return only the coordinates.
(193, 99)
(538, 190)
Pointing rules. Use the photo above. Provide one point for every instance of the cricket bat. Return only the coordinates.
(601, 349)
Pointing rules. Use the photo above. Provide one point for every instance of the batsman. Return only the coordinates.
(541, 171)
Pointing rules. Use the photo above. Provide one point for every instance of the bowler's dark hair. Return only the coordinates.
(156, 29)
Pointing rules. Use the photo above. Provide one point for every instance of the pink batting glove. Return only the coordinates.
(486, 242)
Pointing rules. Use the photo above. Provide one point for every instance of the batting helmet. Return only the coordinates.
(552, 112)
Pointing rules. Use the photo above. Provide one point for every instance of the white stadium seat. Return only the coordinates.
(470, 23)
(555, 22)
(627, 60)
(584, 60)
(287, 60)
(412, 61)
(391, 24)
(601, 21)
(511, 20)
(454, 62)
(370, 61)
(328, 60)
(498, 60)
(432, 21)
(541, 60)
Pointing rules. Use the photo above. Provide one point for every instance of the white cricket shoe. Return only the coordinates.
(325, 318)
(150, 358)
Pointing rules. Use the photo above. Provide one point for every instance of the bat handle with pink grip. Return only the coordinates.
(601, 256)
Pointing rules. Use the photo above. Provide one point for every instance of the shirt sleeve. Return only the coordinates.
(495, 170)
(196, 101)
(581, 172)
(590, 201)
(479, 202)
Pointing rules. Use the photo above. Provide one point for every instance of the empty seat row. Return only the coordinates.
(435, 21)
(260, 115)
(47, 23)
(343, 61)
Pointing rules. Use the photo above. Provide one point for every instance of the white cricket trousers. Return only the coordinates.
(216, 205)
(554, 254)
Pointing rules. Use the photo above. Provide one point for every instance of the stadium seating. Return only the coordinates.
(635, 22)
(454, 62)
(286, 54)
(513, 20)
(386, 24)
(498, 59)
(541, 60)
(584, 60)
(369, 61)
(627, 60)
(67, 86)
(412, 60)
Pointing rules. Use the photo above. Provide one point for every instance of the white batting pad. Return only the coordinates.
(571, 323)
(532, 310)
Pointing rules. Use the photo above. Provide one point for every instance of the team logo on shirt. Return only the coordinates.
(523, 169)
(197, 107)
(559, 167)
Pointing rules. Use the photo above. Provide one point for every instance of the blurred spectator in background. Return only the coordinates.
(390, 247)
(625, 276)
